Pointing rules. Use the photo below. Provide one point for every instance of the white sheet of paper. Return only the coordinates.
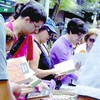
(65, 67)
(80, 57)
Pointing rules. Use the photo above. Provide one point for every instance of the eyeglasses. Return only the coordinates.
(36, 26)
(80, 34)
(91, 40)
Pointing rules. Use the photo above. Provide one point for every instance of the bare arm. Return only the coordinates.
(5, 91)
(84, 98)
(34, 64)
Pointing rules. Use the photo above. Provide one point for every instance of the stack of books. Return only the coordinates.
(45, 93)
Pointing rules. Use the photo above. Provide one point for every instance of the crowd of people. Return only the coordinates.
(25, 34)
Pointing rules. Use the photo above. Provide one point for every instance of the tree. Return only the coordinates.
(66, 5)
(21, 1)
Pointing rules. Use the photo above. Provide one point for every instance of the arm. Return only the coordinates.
(18, 89)
(84, 98)
(34, 64)
(5, 91)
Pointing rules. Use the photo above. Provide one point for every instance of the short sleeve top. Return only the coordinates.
(26, 48)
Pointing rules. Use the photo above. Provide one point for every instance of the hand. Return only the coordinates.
(41, 86)
(60, 77)
(17, 88)
(78, 65)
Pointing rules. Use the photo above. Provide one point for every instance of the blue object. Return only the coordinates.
(51, 25)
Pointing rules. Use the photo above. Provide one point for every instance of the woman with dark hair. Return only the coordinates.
(42, 65)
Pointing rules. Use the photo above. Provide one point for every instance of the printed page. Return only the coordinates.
(65, 67)
(18, 70)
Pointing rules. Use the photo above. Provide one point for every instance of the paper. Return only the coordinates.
(18, 70)
(65, 67)
(80, 57)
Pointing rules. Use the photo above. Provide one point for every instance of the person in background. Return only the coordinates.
(62, 49)
(9, 39)
(5, 88)
(88, 84)
(89, 39)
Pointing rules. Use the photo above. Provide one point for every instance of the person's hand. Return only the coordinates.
(60, 77)
(78, 65)
(18, 88)
(41, 86)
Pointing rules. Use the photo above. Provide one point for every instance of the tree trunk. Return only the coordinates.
(56, 9)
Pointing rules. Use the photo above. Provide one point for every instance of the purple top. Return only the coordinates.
(61, 50)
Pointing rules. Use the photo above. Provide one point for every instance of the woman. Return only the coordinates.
(42, 64)
(89, 39)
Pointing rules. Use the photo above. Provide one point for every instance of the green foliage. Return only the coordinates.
(68, 5)
(65, 5)
(21, 1)
(91, 1)
(52, 3)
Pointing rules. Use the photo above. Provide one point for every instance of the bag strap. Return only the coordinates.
(16, 46)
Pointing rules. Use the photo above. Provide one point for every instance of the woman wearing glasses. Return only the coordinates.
(89, 39)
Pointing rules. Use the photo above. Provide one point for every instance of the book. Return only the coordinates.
(19, 71)
(45, 93)
(65, 67)
(34, 83)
